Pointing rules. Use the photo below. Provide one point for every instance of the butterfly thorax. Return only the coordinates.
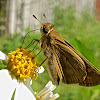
(46, 45)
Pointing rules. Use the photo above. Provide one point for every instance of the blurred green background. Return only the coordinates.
(82, 32)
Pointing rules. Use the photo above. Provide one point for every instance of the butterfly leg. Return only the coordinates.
(43, 61)
(32, 42)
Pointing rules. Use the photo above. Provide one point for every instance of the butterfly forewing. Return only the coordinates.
(76, 68)
(93, 74)
(72, 65)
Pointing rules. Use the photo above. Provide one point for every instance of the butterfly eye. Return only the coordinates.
(45, 29)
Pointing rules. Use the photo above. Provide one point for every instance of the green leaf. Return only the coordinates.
(12, 98)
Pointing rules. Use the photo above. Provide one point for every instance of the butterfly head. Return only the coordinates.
(46, 28)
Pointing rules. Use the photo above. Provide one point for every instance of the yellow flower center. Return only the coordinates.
(22, 64)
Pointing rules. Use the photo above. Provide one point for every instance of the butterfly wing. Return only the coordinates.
(73, 67)
(51, 68)
(93, 75)
(70, 67)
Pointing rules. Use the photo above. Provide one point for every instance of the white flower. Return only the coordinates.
(3, 57)
(40, 69)
(7, 87)
(46, 94)
(23, 90)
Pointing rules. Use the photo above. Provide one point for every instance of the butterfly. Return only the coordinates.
(64, 62)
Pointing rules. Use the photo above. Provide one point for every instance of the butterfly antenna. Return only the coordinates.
(45, 17)
(36, 18)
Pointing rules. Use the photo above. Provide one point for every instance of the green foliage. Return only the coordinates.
(83, 33)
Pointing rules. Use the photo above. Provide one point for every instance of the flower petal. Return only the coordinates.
(27, 84)
(40, 69)
(47, 96)
(3, 57)
(55, 96)
(23, 93)
(7, 85)
(29, 80)
(49, 87)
